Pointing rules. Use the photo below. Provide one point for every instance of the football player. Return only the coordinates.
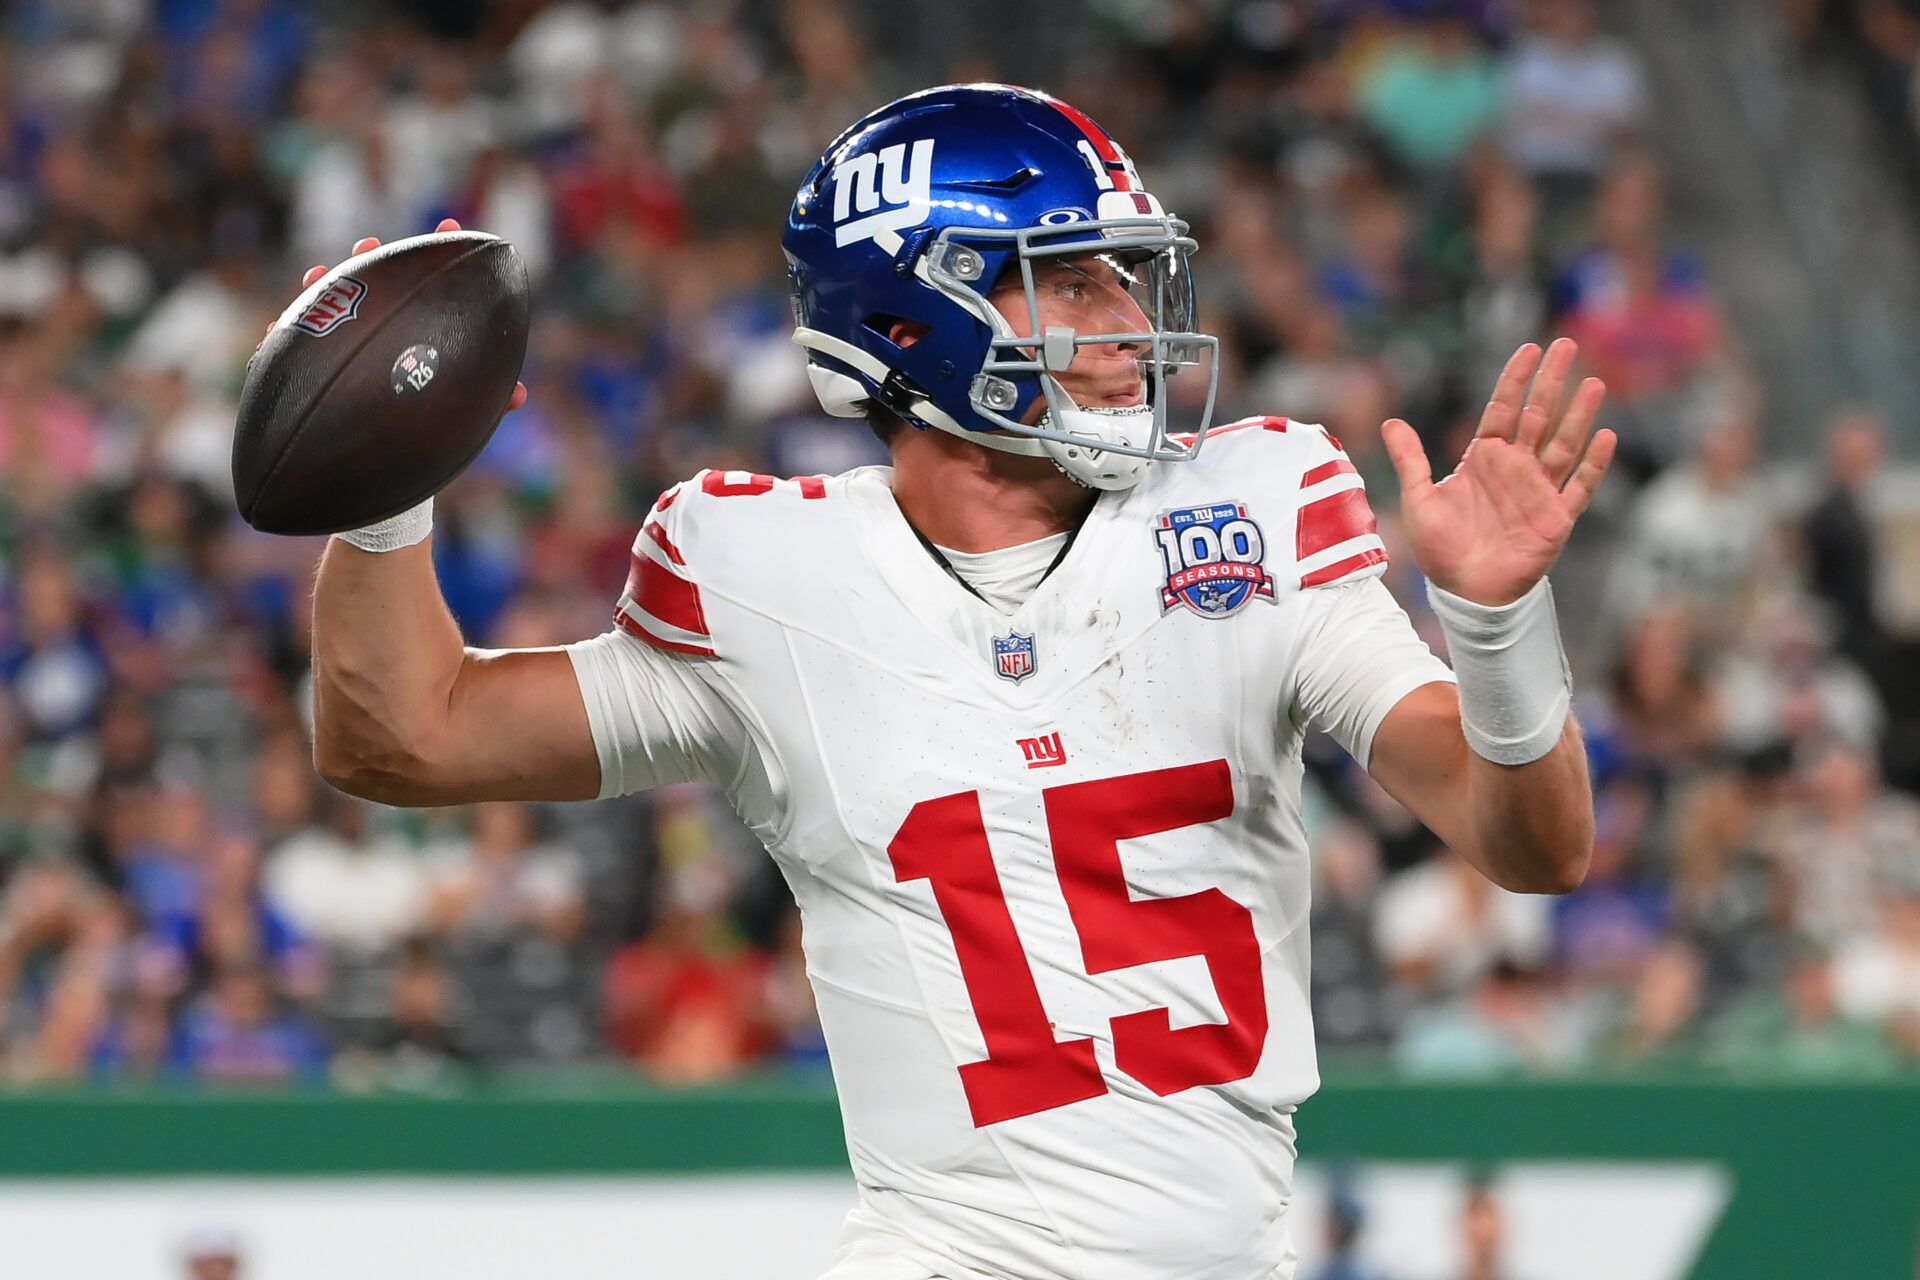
(1020, 716)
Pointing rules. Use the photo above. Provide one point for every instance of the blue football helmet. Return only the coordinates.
(921, 209)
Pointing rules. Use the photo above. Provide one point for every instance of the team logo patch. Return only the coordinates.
(1013, 656)
(338, 303)
(1214, 559)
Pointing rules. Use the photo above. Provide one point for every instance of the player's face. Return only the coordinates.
(1091, 293)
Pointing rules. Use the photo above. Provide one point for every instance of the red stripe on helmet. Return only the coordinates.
(1103, 146)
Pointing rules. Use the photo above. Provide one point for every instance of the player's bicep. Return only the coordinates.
(516, 729)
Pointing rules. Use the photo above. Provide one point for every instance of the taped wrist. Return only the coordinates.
(1515, 686)
(404, 530)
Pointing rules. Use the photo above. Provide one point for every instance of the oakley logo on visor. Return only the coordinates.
(887, 177)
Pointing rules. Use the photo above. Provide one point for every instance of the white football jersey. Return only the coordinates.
(1050, 864)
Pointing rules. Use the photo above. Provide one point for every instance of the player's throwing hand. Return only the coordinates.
(1494, 527)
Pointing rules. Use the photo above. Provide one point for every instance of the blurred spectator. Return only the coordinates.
(1842, 552)
(1731, 898)
(52, 655)
(1801, 1030)
(1572, 95)
(500, 880)
(1432, 92)
(1703, 534)
(1483, 1232)
(1442, 925)
(1505, 1023)
(1784, 685)
(1656, 1022)
(212, 1253)
(682, 1001)
(1658, 715)
(60, 938)
(420, 1043)
(1503, 290)
(1353, 999)
(510, 914)
(1845, 838)
(793, 1022)
(239, 1033)
(347, 887)
(1341, 1234)
(1643, 316)
(1607, 928)
(1877, 973)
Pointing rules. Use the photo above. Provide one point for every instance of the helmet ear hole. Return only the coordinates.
(898, 330)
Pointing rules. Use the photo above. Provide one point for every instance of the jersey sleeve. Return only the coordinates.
(1335, 537)
(655, 716)
(657, 712)
(1359, 655)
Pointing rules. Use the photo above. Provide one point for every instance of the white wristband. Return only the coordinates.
(404, 530)
(1515, 687)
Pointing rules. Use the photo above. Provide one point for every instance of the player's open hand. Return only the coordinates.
(1494, 527)
(368, 243)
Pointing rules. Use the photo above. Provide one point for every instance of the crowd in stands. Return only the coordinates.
(1390, 195)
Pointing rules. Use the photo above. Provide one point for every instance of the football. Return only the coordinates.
(380, 383)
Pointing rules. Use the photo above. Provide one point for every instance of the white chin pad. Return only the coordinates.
(1091, 465)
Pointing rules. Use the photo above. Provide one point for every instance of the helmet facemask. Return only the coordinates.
(1104, 277)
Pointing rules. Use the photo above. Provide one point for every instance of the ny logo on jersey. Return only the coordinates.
(1013, 656)
(1043, 752)
(1213, 558)
(884, 177)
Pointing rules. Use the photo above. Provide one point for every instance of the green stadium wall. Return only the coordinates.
(1825, 1177)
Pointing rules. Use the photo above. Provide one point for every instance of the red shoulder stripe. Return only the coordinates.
(1327, 471)
(1332, 520)
(653, 529)
(666, 595)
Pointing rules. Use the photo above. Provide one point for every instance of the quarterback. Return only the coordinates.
(1020, 716)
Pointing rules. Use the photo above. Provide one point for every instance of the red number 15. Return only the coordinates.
(1026, 1070)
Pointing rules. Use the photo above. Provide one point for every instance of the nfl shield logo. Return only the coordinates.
(336, 304)
(1013, 656)
(1214, 557)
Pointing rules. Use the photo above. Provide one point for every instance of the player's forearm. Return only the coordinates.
(1530, 826)
(386, 657)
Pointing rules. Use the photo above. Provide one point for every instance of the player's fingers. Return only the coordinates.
(1409, 457)
(313, 273)
(1543, 398)
(447, 224)
(1562, 450)
(365, 245)
(1591, 471)
(1509, 393)
(518, 398)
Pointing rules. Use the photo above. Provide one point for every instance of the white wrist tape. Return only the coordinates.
(1515, 687)
(404, 530)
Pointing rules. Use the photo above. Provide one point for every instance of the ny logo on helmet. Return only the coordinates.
(884, 177)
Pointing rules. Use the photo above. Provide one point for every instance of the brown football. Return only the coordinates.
(380, 383)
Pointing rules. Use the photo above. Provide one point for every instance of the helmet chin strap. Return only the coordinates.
(1089, 464)
(1084, 464)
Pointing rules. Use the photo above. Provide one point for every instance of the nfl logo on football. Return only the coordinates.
(336, 304)
(1013, 656)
